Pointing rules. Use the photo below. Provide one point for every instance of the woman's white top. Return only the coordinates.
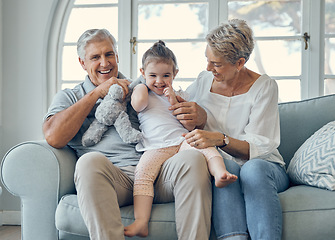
(159, 127)
(252, 116)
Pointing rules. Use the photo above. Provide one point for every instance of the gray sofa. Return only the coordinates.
(43, 178)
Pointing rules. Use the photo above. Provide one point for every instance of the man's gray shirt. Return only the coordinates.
(111, 145)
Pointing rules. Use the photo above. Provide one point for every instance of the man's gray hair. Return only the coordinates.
(93, 35)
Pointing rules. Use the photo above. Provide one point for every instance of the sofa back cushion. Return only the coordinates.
(299, 120)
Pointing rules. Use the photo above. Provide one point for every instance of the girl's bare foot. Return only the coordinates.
(224, 179)
(137, 228)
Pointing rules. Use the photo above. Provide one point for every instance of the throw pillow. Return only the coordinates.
(314, 162)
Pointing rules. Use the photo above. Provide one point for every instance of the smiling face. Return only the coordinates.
(158, 75)
(221, 69)
(101, 61)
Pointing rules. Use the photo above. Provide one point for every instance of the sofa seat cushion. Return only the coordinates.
(314, 162)
(308, 213)
(306, 198)
(161, 226)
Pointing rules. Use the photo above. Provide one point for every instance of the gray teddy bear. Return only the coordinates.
(112, 111)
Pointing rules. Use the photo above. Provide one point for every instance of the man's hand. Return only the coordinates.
(103, 88)
(189, 114)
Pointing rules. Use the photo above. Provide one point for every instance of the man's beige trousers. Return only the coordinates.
(102, 188)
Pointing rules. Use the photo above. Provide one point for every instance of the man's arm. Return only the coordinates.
(60, 128)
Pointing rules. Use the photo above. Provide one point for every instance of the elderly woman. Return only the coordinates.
(242, 121)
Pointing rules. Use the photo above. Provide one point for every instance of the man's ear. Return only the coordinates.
(82, 63)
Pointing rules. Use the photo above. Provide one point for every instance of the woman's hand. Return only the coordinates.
(189, 114)
(202, 139)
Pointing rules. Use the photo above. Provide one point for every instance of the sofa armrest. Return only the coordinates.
(40, 175)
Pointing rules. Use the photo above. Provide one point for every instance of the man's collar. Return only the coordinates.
(88, 85)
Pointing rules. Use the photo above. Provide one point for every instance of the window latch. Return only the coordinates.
(133, 41)
(306, 38)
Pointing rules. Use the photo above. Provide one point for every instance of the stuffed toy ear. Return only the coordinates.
(116, 92)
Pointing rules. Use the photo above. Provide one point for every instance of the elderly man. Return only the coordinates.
(104, 172)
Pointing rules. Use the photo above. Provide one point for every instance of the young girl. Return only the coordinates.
(162, 133)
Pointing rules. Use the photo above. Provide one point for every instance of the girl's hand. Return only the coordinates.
(170, 94)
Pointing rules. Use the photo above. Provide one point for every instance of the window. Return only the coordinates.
(182, 25)
(290, 47)
(329, 58)
(277, 27)
(78, 19)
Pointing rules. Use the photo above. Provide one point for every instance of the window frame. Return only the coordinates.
(312, 60)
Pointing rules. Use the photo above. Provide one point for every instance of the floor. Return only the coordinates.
(10, 232)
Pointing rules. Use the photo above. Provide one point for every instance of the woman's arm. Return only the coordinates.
(203, 139)
(139, 97)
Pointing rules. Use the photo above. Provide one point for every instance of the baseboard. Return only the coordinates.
(10, 218)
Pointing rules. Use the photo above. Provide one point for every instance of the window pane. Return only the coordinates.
(180, 84)
(190, 57)
(80, 20)
(289, 90)
(269, 18)
(84, 2)
(163, 0)
(329, 86)
(330, 56)
(330, 16)
(71, 68)
(172, 21)
(276, 58)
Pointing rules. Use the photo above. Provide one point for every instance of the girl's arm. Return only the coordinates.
(139, 98)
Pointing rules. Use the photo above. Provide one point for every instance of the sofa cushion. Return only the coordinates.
(314, 162)
(161, 226)
(299, 120)
(308, 213)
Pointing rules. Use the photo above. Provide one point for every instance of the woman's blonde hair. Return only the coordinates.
(232, 40)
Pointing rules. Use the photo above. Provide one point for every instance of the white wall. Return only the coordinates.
(1, 140)
(25, 30)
